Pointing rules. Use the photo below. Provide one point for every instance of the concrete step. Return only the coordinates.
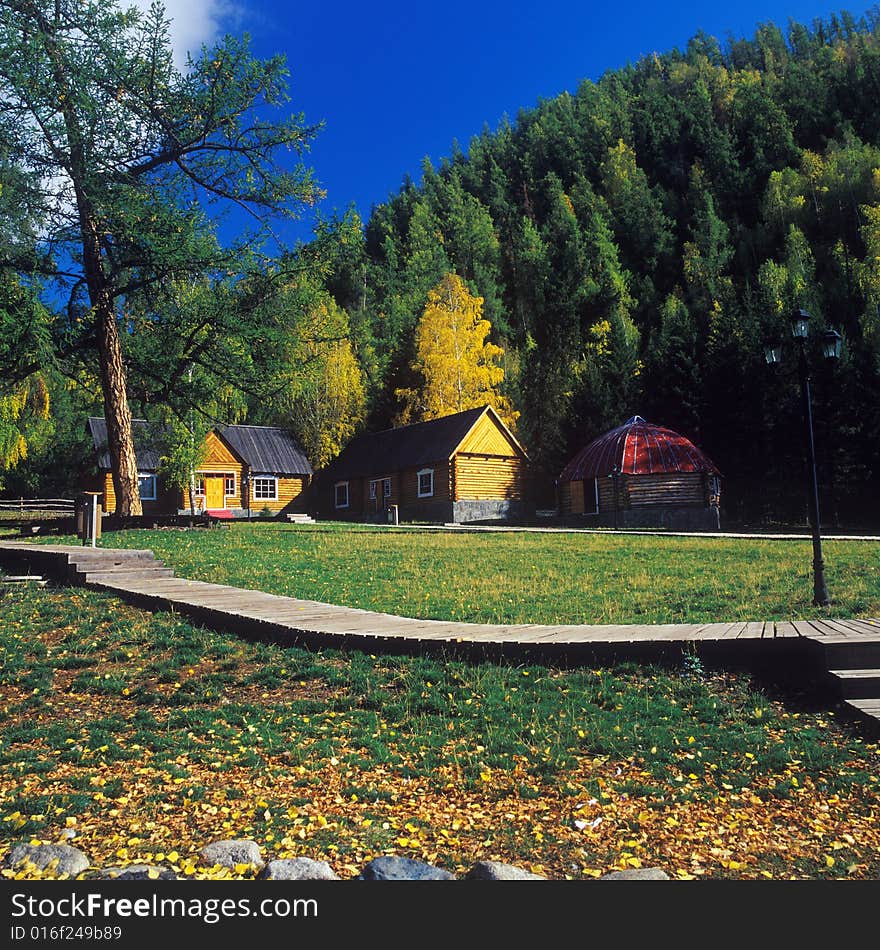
(300, 519)
(858, 684)
(23, 579)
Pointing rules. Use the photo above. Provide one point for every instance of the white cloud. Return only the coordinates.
(193, 22)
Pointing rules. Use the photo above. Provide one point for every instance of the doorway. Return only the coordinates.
(215, 486)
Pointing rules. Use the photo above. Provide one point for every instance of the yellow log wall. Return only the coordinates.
(486, 438)
(480, 478)
(289, 490)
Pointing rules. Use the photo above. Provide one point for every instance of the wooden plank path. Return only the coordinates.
(849, 649)
(136, 576)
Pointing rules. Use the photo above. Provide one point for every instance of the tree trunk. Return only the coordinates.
(117, 413)
(119, 438)
(123, 462)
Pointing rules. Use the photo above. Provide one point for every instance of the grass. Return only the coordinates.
(148, 737)
(525, 577)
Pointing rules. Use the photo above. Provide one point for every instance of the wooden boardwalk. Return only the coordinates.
(846, 651)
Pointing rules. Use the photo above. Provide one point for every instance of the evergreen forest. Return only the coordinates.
(633, 245)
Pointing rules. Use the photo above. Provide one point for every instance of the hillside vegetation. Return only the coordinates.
(637, 240)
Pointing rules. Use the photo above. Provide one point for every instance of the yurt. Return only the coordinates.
(641, 475)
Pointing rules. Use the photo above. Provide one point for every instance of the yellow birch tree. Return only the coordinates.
(457, 365)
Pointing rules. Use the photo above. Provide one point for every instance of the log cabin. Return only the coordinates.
(245, 471)
(465, 467)
(641, 476)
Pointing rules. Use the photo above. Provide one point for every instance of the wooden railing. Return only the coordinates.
(23, 505)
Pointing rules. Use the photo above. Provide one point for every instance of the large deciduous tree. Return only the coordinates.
(118, 156)
(458, 367)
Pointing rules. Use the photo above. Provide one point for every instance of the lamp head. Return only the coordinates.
(831, 344)
(800, 324)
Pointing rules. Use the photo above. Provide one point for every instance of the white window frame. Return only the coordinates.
(386, 487)
(336, 488)
(234, 492)
(152, 477)
(264, 478)
(419, 474)
(199, 485)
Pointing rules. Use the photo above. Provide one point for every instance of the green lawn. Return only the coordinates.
(147, 737)
(525, 577)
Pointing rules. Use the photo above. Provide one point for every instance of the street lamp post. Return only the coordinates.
(831, 342)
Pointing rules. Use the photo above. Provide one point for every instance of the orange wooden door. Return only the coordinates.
(214, 488)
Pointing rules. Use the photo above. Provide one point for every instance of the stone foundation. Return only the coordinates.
(666, 518)
(470, 511)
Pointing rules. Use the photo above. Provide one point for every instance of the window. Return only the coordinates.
(229, 484)
(265, 488)
(426, 483)
(147, 486)
(374, 488)
(200, 485)
(341, 492)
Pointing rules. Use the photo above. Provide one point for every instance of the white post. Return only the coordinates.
(94, 520)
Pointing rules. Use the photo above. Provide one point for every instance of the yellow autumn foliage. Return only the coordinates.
(26, 403)
(458, 367)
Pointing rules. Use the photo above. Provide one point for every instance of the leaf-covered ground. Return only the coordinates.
(146, 738)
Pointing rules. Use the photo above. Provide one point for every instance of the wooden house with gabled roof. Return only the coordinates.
(245, 470)
(460, 468)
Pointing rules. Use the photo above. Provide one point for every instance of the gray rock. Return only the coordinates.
(70, 860)
(136, 872)
(232, 852)
(297, 869)
(497, 871)
(390, 868)
(636, 874)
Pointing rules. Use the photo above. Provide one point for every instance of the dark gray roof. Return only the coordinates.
(148, 438)
(391, 450)
(264, 449)
(267, 449)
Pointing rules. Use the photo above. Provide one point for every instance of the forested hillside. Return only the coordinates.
(638, 240)
(634, 244)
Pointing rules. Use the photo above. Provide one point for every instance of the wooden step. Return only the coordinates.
(117, 564)
(300, 519)
(122, 577)
(854, 653)
(858, 684)
(37, 579)
(867, 710)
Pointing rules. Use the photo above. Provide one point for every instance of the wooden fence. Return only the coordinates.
(28, 505)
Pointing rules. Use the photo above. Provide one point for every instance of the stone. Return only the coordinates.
(70, 860)
(497, 871)
(231, 852)
(391, 868)
(297, 869)
(136, 872)
(636, 874)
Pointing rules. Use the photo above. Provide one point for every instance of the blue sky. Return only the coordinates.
(396, 81)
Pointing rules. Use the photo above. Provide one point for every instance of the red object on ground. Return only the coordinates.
(218, 512)
(637, 448)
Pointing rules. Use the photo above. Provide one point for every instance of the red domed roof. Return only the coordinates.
(637, 448)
